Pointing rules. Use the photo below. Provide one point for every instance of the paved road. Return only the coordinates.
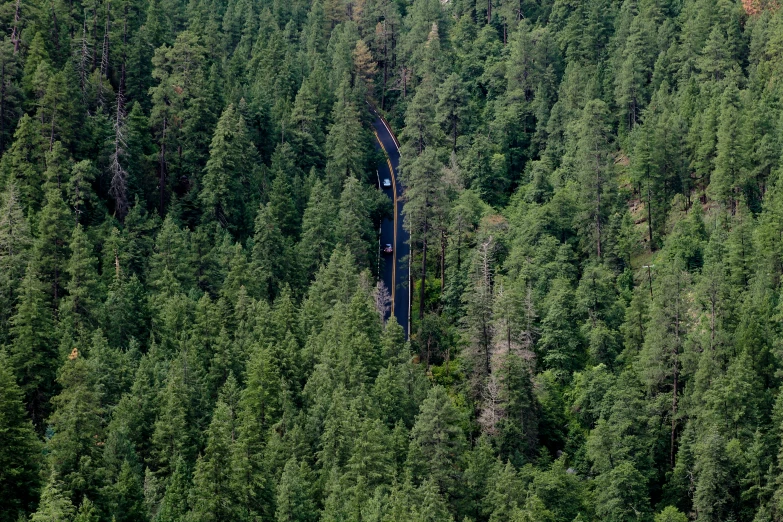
(394, 269)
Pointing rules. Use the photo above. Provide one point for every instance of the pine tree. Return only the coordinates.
(257, 412)
(623, 494)
(87, 512)
(344, 144)
(78, 424)
(506, 495)
(79, 190)
(425, 205)
(176, 105)
(430, 506)
(355, 229)
(227, 182)
(294, 494)
(671, 514)
(364, 65)
(57, 109)
(213, 496)
(23, 163)
(33, 353)
(659, 359)
(285, 199)
(450, 109)
(646, 175)
(635, 69)
(20, 454)
(318, 231)
(174, 505)
(731, 152)
(51, 250)
(270, 251)
(55, 506)
(15, 243)
(421, 130)
(560, 339)
(79, 308)
(436, 441)
(36, 55)
(10, 94)
(172, 256)
(58, 167)
(595, 171)
(127, 495)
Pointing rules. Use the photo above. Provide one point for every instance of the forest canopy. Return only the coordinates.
(192, 326)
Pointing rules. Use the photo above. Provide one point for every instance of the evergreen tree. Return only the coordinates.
(15, 243)
(230, 171)
(270, 250)
(730, 171)
(450, 108)
(436, 441)
(318, 231)
(79, 190)
(21, 452)
(33, 353)
(595, 172)
(54, 505)
(213, 496)
(344, 144)
(51, 250)
(79, 308)
(78, 425)
(294, 494)
(23, 163)
(623, 495)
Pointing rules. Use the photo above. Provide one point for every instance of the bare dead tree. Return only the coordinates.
(104, 71)
(119, 176)
(492, 411)
(15, 31)
(124, 47)
(382, 300)
(82, 60)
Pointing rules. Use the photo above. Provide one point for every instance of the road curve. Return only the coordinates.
(394, 267)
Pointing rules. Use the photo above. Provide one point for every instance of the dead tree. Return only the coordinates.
(119, 176)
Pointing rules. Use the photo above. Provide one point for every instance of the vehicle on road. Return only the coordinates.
(387, 248)
(386, 183)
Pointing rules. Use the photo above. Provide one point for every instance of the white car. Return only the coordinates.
(387, 248)
(386, 183)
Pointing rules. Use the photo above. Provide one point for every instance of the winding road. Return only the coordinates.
(395, 266)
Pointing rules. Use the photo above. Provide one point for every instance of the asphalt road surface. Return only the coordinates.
(394, 266)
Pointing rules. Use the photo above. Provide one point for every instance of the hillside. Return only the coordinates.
(197, 263)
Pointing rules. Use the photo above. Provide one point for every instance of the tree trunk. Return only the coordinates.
(162, 172)
(442, 260)
(676, 373)
(454, 134)
(15, 32)
(423, 270)
(2, 108)
(649, 210)
(674, 409)
(598, 203)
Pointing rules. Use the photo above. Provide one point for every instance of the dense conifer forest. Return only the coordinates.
(192, 326)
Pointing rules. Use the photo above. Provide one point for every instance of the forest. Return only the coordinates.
(192, 326)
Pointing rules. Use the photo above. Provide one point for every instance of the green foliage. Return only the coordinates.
(20, 455)
(189, 232)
